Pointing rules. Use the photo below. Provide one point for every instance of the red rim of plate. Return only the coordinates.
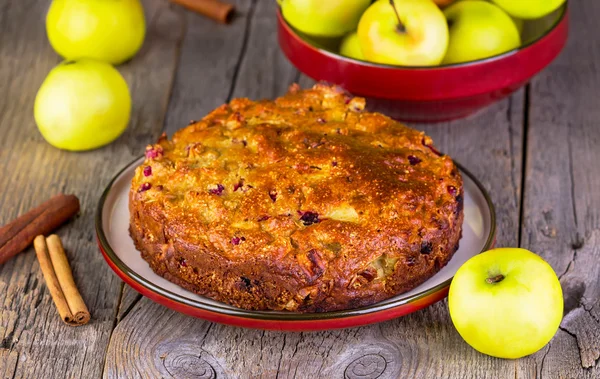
(382, 311)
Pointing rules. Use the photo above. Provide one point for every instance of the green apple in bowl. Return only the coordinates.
(403, 32)
(529, 9)
(82, 105)
(506, 302)
(479, 30)
(519, 23)
(110, 31)
(443, 3)
(350, 47)
(330, 18)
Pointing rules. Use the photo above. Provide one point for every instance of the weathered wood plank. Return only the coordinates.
(560, 214)
(210, 57)
(8, 363)
(32, 171)
(158, 342)
(211, 54)
(264, 71)
(562, 196)
(488, 145)
(129, 297)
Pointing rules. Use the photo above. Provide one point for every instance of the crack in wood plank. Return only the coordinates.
(297, 76)
(569, 266)
(242, 53)
(281, 357)
(543, 361)
(516, 189)
(177, 54)
(524, 162)
(124, 314)
(572, 178)
(580, 325)
(567, 331)
(206, 66)
(115, 320)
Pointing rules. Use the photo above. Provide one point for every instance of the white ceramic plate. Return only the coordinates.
(112, 226)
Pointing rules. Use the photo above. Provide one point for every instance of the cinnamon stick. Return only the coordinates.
(41, 250)
(215, 9)
(59, 280)
(20, 233)
(80, 312)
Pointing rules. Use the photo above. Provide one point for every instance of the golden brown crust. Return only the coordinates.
(305, 203)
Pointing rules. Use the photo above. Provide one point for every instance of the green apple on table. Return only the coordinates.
(506, 302)
(529, 9)
(407, 33)
(478, 30)
(329, 18)
(82, 105)
(110, 31)
(350, 47)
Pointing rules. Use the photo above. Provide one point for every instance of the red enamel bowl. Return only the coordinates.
(429, 94)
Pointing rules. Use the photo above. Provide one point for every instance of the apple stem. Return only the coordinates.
(400, 28)
(495, 279)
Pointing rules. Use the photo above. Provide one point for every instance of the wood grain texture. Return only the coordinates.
(210, 57)
(562, 193)
(264, 71)
(231, 71)
(155, 341)
(129, 297)
(8, 363)
(188, 66)
(32, 171)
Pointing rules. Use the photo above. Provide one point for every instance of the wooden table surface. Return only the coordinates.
(536, 152)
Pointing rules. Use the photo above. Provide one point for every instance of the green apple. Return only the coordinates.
(506, 302)
(478, 30)
(443, 3)
(330, 18)
(350, 47)
(529, 9)
(110, 31)
(519, 23)
(82, 105)
(408, 33)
